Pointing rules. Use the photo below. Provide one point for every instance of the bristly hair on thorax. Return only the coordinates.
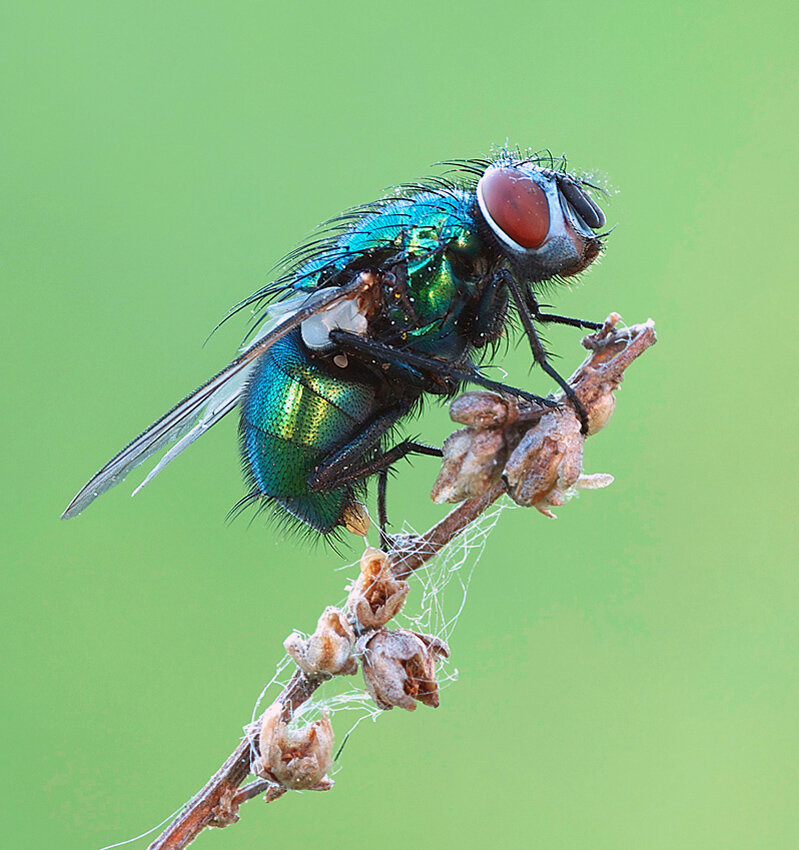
(461, 176)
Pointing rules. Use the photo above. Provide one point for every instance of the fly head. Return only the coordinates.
(543, 221)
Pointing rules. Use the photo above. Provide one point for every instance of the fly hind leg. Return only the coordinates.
(357, 461)
(381, 465)
(344, 465)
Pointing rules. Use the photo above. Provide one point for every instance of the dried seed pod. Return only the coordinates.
(546, 466)
(483, 410)
(376, 596)
(544, 445)
(328, 650)
(399, 667)
(296, 758)
(474, 456)
(611, 350)
(473, 461)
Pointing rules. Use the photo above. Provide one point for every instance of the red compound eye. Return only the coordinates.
(515, 205)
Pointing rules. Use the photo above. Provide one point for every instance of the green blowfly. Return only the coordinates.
(393, 301)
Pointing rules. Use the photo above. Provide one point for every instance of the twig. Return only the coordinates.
(216, 804)
(611, 351)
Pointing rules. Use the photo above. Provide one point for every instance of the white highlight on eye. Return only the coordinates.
(344, 316)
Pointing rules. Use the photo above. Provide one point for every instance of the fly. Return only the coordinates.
(395, 302)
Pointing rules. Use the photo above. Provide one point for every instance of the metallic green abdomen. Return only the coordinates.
(297, 410)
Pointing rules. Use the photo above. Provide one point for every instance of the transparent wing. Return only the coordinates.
(192, 417)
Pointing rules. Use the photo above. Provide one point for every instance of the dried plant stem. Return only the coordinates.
(217, 803)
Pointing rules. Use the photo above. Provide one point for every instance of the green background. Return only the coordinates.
(628, 674)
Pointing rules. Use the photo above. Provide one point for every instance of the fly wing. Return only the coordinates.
(193, 416)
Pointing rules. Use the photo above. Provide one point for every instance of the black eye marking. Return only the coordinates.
(583, 203)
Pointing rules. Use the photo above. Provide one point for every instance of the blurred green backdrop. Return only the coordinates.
(628, 674)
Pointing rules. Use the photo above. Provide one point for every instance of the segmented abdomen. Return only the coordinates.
(297, 409)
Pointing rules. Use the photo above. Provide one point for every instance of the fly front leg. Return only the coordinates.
(539, 354)
(555, 319)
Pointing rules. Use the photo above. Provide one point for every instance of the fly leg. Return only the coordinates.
(486, 323)
(348, 465)
(352, 462)
(441, 377)
(555, 319)
(382, 465)
(539, 355)
(382, 511)
(344, 465)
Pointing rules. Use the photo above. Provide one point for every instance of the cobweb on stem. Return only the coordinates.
(440, 605)
(444, 583)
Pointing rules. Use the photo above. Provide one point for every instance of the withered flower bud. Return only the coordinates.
(328, 650)
(296, 758)
(482, 409)
(472, 462)
(546, 467)
(540, 447)
(475, 456)
(376, 596)
(399, 667)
